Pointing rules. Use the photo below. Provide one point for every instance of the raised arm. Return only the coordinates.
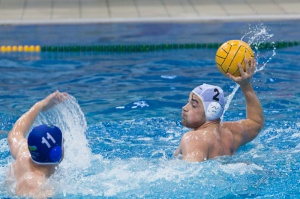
(17, 136)
(246, 130)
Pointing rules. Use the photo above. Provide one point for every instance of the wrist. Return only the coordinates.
(39, 106)
(246, 87)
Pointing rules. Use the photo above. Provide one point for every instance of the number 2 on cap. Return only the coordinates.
(215, 97)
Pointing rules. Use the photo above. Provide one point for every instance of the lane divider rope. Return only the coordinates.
(134, 48)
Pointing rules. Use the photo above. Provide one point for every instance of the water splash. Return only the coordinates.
(255, 36)
(71, 120)
(229, 99)
(77, 154)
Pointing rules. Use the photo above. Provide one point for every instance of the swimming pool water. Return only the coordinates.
(123, 122)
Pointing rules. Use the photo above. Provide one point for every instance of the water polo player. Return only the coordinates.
(209, 137)
(37, 156)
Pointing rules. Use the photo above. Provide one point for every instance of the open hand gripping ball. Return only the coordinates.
(230, 54)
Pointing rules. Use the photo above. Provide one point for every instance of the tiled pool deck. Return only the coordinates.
(81, 11)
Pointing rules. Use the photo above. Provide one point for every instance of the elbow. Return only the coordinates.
(260, 123)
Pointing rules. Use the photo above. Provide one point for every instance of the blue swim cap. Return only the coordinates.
(45, 144)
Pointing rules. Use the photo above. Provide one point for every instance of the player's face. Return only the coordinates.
(193, 115)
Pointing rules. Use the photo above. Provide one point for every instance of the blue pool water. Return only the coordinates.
(122, 123)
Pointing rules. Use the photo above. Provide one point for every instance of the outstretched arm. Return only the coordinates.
(247, 129)
(17, 136)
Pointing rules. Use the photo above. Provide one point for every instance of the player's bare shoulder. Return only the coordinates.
(30, 180)
(196, 135)
(227, 138)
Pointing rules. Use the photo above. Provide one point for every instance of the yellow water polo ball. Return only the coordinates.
(230, 54)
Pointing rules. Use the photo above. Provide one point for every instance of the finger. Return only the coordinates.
(241, 69)
(253, 64)
(65, 95)
(234, 78)
(56, 93)
(229, 75)
(247, 65)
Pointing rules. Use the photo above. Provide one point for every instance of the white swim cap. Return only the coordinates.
(213, 100)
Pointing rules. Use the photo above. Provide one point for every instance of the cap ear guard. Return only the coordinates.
(56, 154)
(214, 111)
